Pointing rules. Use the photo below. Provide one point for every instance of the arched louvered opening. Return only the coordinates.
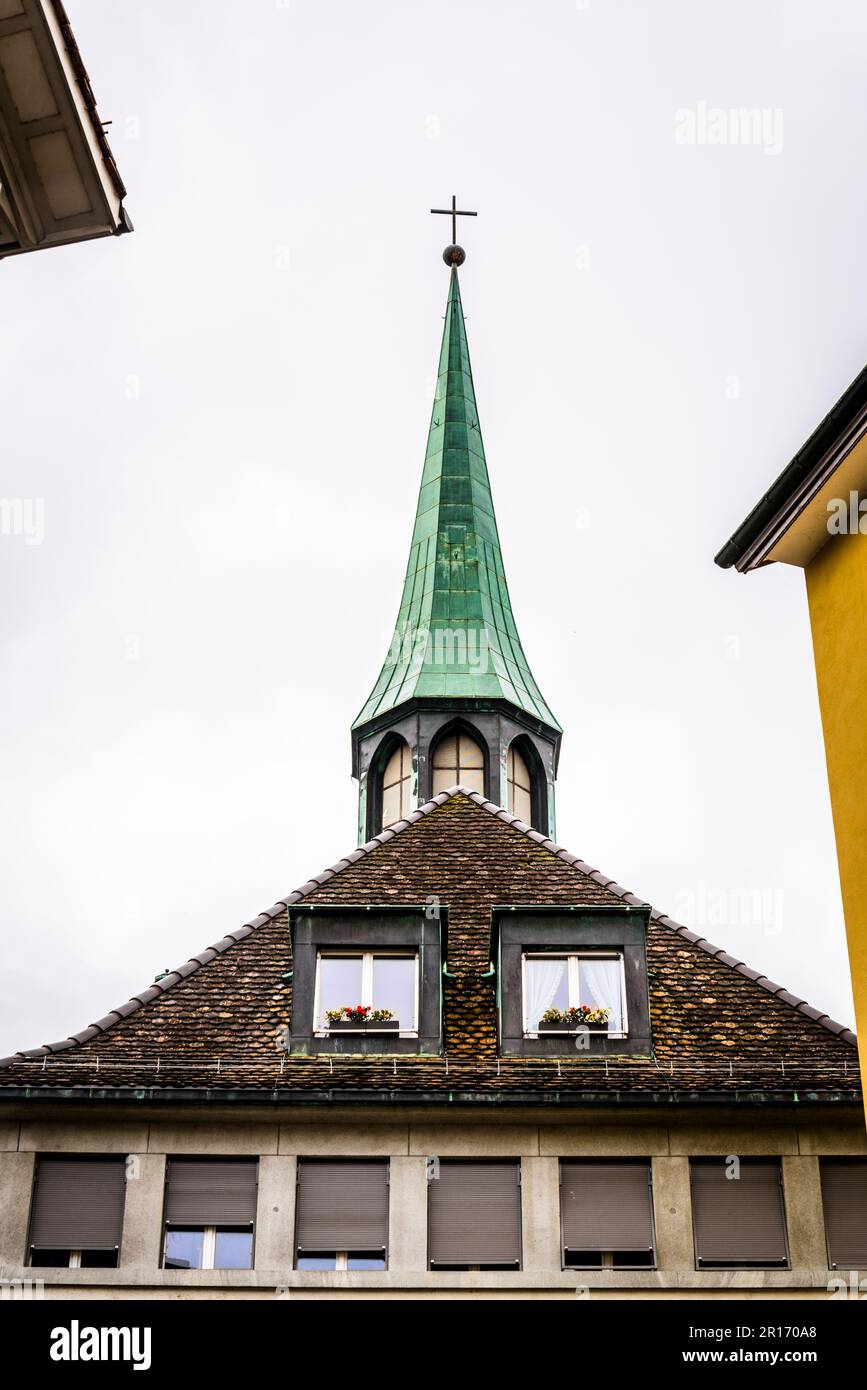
(459, 758)
(389, 785)
(397, 785)
(519, 786)
(526, 786)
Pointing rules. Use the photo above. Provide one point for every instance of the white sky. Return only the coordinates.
(225, 415)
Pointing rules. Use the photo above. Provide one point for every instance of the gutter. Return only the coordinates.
(380, 1100)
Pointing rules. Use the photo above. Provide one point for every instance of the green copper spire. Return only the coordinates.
(455, 635)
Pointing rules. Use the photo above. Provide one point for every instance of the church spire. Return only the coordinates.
(455, 673)
(455, 633)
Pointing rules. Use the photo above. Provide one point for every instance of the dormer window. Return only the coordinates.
(572, 980)
(458, 760)
(372, 992)
(367, 979)
(586, 991)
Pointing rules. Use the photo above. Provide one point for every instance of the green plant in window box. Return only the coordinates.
(570, 1020)
(354, 1016)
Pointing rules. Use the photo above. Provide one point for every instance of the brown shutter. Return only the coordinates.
(78, 1204)
(606, 1206)
(342, 1206)
(474, 1214)
(844, 1196)
(218, 1192)
(738, 1220)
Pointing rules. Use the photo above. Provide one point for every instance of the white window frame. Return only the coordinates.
(341, 1262)
(209, 1244)
(573, 963)
(367, 959)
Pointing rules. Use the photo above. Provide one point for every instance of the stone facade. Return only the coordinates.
(798, 1136)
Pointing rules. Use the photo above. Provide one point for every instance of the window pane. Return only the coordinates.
(339, 983)
(521, 804)
(518, 770)
(184, 1249)
(393, 772)
(394, 987)
(49, 1258)
(473, 778)
(633, 1259)
(443, 778)
(391, 810)
(234, 1250)
(395, 786)
(600, 988)
(365, 1262)
(471, 753)
(317, 1261)
(583, 1259)
(547, 988)
(99, 1259)
(446, 754)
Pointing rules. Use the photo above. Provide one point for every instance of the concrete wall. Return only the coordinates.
(278, 1143)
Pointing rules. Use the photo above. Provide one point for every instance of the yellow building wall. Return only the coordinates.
(837, 596)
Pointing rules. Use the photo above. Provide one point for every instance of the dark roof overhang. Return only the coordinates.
(361, 910)
(502, 911)
(799, 481)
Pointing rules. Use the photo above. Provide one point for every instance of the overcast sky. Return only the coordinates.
(225, 416)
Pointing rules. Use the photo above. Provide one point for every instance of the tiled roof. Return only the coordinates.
(89, 99)
(455, 635)
(218, 1022)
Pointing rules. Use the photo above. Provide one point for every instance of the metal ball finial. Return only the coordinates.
(454, 255)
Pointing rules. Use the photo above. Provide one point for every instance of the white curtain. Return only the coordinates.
(600, 979)
(544, 978)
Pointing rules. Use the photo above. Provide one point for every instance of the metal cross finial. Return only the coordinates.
(454, 212)
(454, 255)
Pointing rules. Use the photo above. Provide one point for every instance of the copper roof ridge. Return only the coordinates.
(138, 1001)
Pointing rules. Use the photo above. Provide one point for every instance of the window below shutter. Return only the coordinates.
(844, 1197)
(738, 1220)
(606, 1206)
(78, 1204)
(342, 1205)
(474, 1213)
(211, 1192)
